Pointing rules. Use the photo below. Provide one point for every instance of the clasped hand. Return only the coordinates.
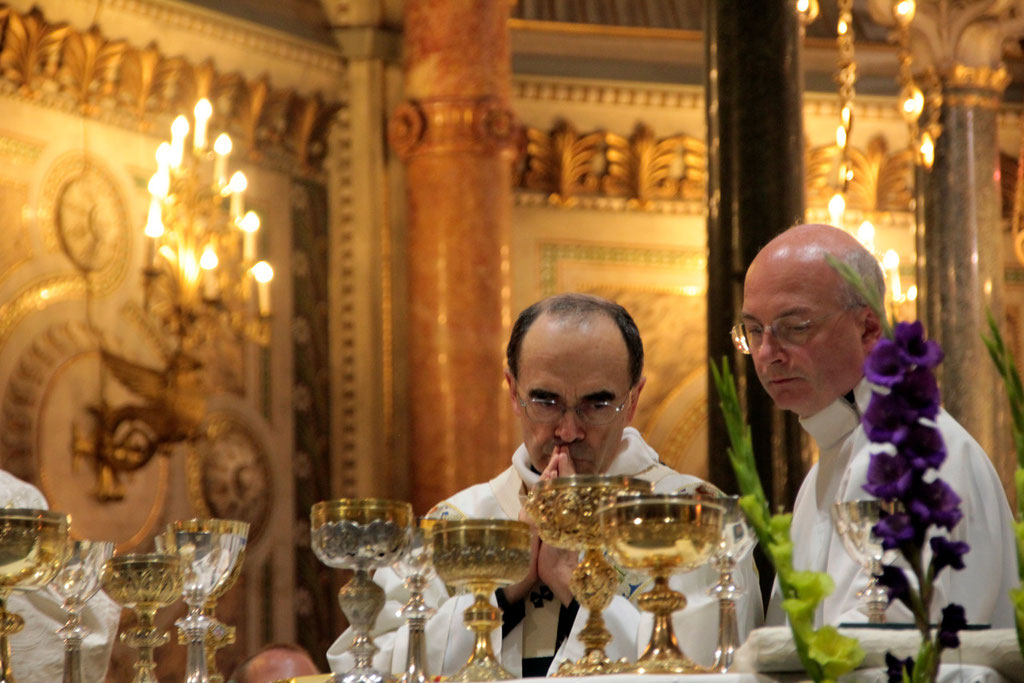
(548, 565)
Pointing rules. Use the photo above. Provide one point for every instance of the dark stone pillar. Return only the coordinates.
(755, 191)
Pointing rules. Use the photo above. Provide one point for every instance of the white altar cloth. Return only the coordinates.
(948, 673)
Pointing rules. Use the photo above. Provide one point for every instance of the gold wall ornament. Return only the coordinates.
(642, 168)
(879, 181)
(105, 77)
(982, 77)
(452, 124)
(562, 162)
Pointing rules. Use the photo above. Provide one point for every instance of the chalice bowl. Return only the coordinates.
(736, 541)
(415, 568)
(219, 634)
(144, 583)
(33, 547)
(76, 583)
(565, 512)
(361, 534)
(481, 555)
(209, 554)
(662, 534)
(855, 522)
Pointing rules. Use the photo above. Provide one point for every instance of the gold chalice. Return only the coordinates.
(481, 555)
(33, 547)
(662, 534)
(220, 634)
(143, 582)
(361, 534)
(855, 521)
(565, 511)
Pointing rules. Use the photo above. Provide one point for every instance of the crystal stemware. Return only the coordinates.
(416, 567)
(144, 583)
(208, 556)
(662, 534)
(361, 534)
(76, 583)
(481, 555)
(855, 522)
(736, 541)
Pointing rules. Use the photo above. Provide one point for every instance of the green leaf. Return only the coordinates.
(837, 654)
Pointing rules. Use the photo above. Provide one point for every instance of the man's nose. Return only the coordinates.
(770, 346)
(569, 428)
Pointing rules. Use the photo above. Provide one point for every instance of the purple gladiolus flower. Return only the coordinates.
(953, 620)
(937, 503)
(895, 531)
(922, 446)
(889, 476)
(920, 392)
(885, 365)
(895, 666)
(946, 553)
(895, 583)
(909, 337)
(887, 418)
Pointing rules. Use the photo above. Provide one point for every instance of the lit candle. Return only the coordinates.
(179, 130)
(237, 185)
(222, 148)
(249, 224)
(263, 274)
(163, 165)
(203, 112)
(154, 230)
(208, 262)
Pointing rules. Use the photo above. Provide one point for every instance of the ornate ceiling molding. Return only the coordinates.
(56, 65)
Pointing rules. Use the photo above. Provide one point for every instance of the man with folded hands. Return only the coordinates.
(575, 373)
(809, 332)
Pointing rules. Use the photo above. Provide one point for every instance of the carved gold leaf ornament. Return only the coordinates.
(561, 162)
(880, 182)
(89, 65)
(643, 168)
(31, 49)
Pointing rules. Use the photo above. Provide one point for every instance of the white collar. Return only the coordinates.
(829, 426)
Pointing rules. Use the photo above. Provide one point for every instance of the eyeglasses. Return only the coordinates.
(551, 410)
(789, 330)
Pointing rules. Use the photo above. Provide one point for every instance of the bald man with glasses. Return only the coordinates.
(808, 333)
(574, 375)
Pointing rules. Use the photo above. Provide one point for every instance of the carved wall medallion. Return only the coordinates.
(87, 220)
(42, 407)
(229, 472)
(439, 126)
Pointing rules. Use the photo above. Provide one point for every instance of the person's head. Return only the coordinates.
(575, 372)
(809, 329)
(275, 662)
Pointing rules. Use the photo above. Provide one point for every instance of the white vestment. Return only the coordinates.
(37, 651)
(449, 642)
(982, 587)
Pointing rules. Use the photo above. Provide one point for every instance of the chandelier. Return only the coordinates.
(202, 279)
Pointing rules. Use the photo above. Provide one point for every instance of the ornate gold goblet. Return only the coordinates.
(855, 522)
(662, 534)
(220, 634)
(361, 534)
(76, 583)
(144, 583)
(33, 547)
(565, 511)
(481, 555)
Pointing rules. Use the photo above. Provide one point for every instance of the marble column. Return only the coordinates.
(963, 253)
(455, 134)
(961, 44)
(755, 191)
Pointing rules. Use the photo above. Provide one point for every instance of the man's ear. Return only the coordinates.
(631, 408)
(512, 392)
(872, 330)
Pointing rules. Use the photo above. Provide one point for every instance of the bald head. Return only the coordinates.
(275, 663)
(814, 329)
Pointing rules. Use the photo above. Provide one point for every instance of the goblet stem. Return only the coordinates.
(73, 633)
(876, 597)
(726, 591)
(663, 654)
(195, 627)
(10, 624)
(416, 612)
(145, 639)
(362, 600)
(482, 617)
(593, 584)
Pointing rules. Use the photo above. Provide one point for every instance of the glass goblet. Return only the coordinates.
(855, 522)
(76, 583)
(737, 540)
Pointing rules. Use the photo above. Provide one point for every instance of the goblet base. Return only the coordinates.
(593, 664)
(666, 663)
(364, 676)
(482, 669)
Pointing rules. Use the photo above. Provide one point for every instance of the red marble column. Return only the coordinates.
(455, 133)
